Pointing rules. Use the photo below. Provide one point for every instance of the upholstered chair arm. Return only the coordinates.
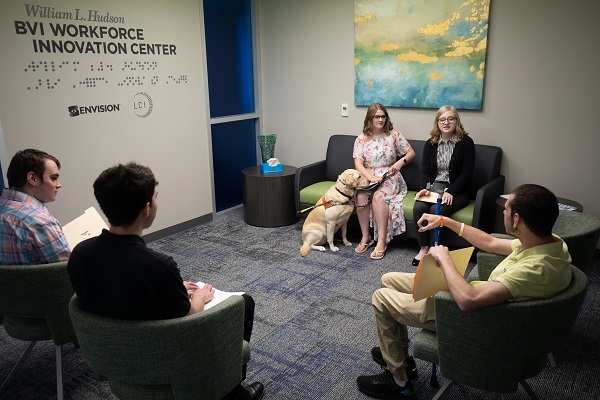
(306, 176)
(485, 202)
(198, 355)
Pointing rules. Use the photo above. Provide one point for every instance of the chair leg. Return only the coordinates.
(17, 366)
(529, 390)
(59, 373)
(433, 382)
(551, 360)
(444, 390)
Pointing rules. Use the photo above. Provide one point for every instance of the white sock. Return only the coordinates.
(399, 382)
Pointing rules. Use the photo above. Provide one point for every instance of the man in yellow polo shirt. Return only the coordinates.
(537, 265)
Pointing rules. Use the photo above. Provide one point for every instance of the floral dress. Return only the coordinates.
(378, 156)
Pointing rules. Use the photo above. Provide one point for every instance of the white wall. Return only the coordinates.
(172, 139)
(540, 99)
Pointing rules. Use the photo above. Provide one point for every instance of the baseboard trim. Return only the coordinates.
(192, 223)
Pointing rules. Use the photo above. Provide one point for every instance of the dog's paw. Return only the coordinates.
(320, 248)
(334, 248)
(347, 243)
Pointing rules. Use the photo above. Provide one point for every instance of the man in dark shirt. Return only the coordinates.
(103, 268)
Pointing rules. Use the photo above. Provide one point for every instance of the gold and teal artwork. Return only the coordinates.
(420, 53)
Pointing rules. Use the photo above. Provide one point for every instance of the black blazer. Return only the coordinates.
(461, 166)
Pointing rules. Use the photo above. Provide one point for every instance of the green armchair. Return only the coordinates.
(193, 357)
(496, 348)
(42, 316)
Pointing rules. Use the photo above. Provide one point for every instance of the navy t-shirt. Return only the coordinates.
(118, 276)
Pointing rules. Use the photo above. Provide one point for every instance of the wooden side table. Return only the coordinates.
(269, 197)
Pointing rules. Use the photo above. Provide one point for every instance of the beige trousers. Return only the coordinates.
(395, 310)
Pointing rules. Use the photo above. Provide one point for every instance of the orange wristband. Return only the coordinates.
(441, 221)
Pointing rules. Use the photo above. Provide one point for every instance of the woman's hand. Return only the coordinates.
(397, 166)
(375, 178)
(447, 198)
(422, 192)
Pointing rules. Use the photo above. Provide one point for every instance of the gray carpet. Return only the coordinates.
(314, 326)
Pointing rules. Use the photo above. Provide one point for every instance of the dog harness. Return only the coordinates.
(330, 203)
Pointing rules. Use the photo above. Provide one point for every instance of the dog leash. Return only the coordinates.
(329, 203)
(373, 187)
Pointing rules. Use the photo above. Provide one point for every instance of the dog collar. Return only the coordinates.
(342, 193)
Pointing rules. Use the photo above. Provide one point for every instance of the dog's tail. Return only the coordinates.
(304, 249)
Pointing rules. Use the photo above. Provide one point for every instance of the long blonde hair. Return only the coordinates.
(459, 131)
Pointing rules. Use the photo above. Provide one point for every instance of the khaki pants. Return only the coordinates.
(395, 310)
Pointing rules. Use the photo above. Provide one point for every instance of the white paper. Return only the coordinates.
(218, 297)
(273, 162)
(88, 225)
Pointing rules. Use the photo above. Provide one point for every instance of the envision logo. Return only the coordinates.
(75, 111)
(142, 104)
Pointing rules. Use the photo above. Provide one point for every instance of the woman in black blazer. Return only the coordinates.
(447, 168)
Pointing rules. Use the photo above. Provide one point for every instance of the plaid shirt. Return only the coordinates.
(29, 234)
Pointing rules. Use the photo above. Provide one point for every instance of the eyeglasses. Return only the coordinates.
(381, 117)
(449, 119)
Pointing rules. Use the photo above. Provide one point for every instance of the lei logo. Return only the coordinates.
(142, 104)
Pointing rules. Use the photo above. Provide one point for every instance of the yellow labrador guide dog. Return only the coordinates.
(331, 213)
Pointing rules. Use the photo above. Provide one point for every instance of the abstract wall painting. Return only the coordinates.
(420, 53)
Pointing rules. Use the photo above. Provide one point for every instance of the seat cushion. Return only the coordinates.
(465, 214)
(313, 193)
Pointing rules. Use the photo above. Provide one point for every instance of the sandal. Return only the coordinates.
(378, 254)
(362, 247)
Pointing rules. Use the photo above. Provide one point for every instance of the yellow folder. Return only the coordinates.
(429, 278)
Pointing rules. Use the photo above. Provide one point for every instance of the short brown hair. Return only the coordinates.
(26, 161)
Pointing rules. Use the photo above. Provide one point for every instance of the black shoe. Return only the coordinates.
(415, 262)
(411, 365)
(383, 386)
(253, 391)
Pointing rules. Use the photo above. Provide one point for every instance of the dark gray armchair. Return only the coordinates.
(313, 180)
(194, 357)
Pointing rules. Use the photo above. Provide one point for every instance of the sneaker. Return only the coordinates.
(383, 386)
(411, 365)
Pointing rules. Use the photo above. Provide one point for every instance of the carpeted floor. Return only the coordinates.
(314, 325)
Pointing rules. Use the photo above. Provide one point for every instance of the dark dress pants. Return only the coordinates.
(421, 207)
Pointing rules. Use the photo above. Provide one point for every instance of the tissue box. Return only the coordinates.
(266, 168)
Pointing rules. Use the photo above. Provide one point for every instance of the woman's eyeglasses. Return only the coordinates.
(449, 119)
(381, 117)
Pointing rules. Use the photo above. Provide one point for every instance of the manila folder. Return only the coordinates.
(88, 225)
(429, 278)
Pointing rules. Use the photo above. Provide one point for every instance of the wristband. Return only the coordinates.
(441, 221)
(462, 229)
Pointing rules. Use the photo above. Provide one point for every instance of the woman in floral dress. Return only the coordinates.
(380, 149)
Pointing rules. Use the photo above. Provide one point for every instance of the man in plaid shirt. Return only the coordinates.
(29, 234)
